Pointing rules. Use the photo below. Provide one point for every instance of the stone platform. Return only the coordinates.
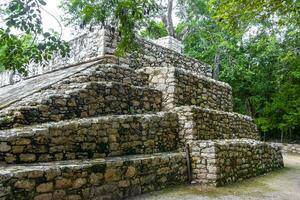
(110, 128)
(182, 87)
(219, 162)
(81, 100)
(198, 123)
(90, 138)
(111, 178)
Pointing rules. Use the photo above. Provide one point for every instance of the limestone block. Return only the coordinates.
(4, 147)
(45, 187)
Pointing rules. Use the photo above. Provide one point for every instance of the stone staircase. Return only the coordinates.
(111, 130)
(99, 134)
(98, 92)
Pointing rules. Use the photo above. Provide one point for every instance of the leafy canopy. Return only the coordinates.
(22, 39)
(124, 15)
(263, 67)
(239, 14)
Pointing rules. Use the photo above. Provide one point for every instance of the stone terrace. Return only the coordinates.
(99, 127)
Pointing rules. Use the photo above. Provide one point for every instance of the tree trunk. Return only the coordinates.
(250, 108)
(11, 77)
(217, 67)
(170, 26)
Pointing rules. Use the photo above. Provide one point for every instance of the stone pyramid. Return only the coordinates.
(93, 126)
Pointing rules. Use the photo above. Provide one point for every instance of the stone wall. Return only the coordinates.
(81, 100)
(182, 87)
(226, 161)
(288, 148)
(106, 72)
(152, 55)
(7, 77)
(82, 48)
(206, 124)
(193, 89)
(170, 43)
(104, 42)
(90, 138)
(149, 54)
(111, 179)
(102, 134)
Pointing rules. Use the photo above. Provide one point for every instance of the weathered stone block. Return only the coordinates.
(198, 123)
(181, 87)
(232, 161)
(92, 138)
(120, 177)
(4, 147)
(92, 99)
(45, 187)
(25, 184)
(63, 183)
(43, 197)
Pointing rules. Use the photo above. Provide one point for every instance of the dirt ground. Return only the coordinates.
(282, 184)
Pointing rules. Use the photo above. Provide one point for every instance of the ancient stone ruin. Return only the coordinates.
(94, 126)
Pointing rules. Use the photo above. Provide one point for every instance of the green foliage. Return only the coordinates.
(263, 69)
(154, 30)
(282, 111)
(123, 14)
(129, 12)
(2, 67)
(22, 39)
(239, 14)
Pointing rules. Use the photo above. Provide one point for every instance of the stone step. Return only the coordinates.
(219, 162)
(63, 88)
(110, 178)
(90, 138)
(16, 92)
(106, 72)
(198, 123)
(81, 100)
(182, 88)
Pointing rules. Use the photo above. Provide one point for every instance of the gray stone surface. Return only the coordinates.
(182, 87)
(170, 43)
(89, 93)
(220, 162)
(103, 42)
(16, 92)
(198, 123)
(110, 178)
(278, 185)
(82, 48)
(288, 148)
(90, 138)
